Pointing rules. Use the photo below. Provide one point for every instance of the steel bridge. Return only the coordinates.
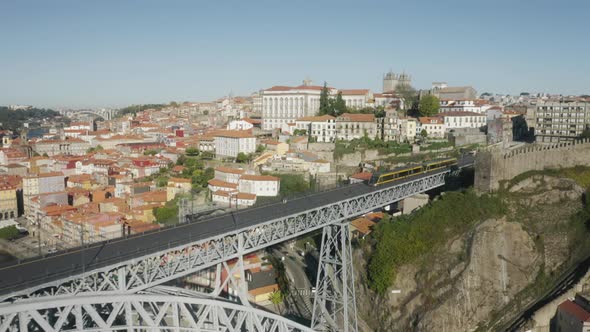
(110, 285)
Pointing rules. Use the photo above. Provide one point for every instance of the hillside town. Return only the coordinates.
(100, 177)
(96, 179)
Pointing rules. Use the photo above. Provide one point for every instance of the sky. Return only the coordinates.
(115, 53)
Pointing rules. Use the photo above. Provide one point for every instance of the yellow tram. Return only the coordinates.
(398, 174)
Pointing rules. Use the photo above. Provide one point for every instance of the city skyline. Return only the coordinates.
(113, 54)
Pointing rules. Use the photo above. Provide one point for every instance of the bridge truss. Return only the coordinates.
(334, 305)
(147, 312)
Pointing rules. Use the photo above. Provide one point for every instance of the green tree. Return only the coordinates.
(325, 100)
(150, 152)
(585, 133)
(299, 132)
(339, 105)
(260, 148)
(243, 157)
(166, 214)
(292, 183)
(95, 149)
(276, 298)
(424, 133)
(428, 105)
(8, 233)
(408, 95)
(192, 151)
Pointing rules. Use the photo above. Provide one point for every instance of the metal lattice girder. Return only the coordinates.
(138, 312)
(146, 271)
(334, 306)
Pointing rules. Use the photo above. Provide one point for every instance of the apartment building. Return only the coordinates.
(230, 143)
(36, 185)
(321, 128)
(559, 121)
(462, 119)
(350, 126)
(434, 126)
(8, 201)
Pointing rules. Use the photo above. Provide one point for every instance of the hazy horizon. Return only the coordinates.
(71, 54)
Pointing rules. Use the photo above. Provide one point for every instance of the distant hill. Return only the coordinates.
(14, 119)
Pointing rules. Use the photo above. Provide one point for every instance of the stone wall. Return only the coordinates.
(494, 164)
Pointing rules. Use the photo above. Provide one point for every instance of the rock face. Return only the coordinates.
(462, 285)
(502, 262)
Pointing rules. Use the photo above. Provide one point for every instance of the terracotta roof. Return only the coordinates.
(259, 177)
(178, 168)
(363, 225)
(574, 310)
(321, 118)
(247, 196)
(219, 183)
(252, 121)
(430, 120)
(220, 192)
(365, 176)
(229, 170)
(357, 117)
(234, 134)
(375, 216)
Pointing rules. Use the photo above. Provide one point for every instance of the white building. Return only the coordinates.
(284, 104)
(323, 128)
(228, 174)
(260, 185)
(234, 187)
(454, 120)
(357, 98)
(464, 105)
(434, 126)
(231, 142)
(239, 125)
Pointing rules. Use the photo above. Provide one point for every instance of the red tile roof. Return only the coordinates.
(365, 176)
(574, 310)
(357, 117)
(430, 120)
(229, 170)
(219, 183)
(320, 118)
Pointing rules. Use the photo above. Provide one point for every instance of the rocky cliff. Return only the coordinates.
(479, 277)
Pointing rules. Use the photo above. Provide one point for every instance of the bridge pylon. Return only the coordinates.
(334, 306)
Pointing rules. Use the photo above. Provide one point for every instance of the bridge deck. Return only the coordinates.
(75, 261)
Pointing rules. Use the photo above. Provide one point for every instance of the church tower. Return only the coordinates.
(392, 80)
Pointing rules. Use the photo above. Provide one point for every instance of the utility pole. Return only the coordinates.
(39, 232)
(82, 251)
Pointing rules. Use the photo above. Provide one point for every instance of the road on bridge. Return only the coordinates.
(29, 273)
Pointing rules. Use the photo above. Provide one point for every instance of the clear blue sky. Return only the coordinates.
(113, 53)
